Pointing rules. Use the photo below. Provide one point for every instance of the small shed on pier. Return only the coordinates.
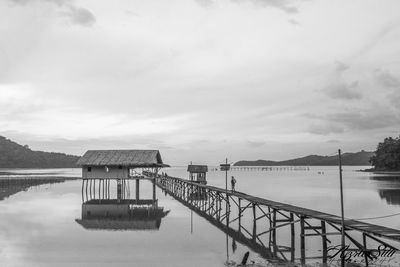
(118, 164)
(197, 173)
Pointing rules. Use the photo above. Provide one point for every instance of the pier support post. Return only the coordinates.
(137, 189)
(108, 188)
(254, 222)
(240, 214)
(365, 249)
(122, 188)
(324, 244)
(274, 245)
(102, 182)
(119, 190)
(83, 183)
(154, 190)
(90, 188)
(292, 238)
(302, 241)
(107, 192)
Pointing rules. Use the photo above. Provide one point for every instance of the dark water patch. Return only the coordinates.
(27, 173)
(388, 188)
(11, 186)
(391, 196)
(393, 178)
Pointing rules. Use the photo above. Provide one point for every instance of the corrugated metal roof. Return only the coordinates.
(131, 158)
(197, 168)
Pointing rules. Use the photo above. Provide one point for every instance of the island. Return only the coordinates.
(14, 155)
(361, 158)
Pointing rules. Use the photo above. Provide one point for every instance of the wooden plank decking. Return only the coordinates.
(372, 229)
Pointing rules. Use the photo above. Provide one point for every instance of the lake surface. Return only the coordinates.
(38, 226)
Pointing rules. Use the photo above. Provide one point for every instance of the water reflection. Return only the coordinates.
(25, 217)
(127, 214)
(237, 236)
(11, 186)
(102, 212)
(388, 188)
(392, 196)
(257, 223)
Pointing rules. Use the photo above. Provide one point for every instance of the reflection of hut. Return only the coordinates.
(197, 173)
(128, 214)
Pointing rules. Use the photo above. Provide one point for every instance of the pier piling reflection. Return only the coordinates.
(272, 229)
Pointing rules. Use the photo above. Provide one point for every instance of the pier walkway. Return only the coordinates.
(256, 222)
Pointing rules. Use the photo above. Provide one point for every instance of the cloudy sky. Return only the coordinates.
(200, 79)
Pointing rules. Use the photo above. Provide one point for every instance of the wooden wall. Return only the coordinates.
(100, 172)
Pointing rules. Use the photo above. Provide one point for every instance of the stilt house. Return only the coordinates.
(197, 173)
(118, 164)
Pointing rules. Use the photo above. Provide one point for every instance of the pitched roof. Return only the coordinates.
(129, 158)
(197, 168)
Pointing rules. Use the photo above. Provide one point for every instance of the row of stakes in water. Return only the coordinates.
(296, 168)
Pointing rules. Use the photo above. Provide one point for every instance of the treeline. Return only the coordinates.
(13, 155)
(387, 155)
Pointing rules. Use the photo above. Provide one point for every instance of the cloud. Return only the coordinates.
(333, 141)
(379, 37)
(76, 15)
(293, 21)
(236, 69)
(284, 5)
(377, 118)
(80, 16)
(341, 67)
(389, 81)
(343, 91)
(338, 88)
(365, 120)
(373, 113)
(255, 143)
(386, 79)
(205, 3)
(325, 129)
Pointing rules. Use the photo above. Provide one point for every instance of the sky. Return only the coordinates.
(200, 80)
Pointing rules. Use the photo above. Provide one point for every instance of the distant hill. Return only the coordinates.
(355, 159)
(13, 155)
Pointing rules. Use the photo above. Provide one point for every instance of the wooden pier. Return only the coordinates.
(256, 222)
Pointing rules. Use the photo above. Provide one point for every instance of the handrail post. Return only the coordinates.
(342, 209)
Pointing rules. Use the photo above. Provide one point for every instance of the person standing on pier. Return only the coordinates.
(233, 182)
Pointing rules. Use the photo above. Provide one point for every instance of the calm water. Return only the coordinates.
(38, 227)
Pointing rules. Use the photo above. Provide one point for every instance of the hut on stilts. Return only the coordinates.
(108, 207)
(197, 174)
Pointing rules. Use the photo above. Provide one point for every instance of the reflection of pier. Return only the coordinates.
(257, 222)
(236, 235)
(106, 190)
